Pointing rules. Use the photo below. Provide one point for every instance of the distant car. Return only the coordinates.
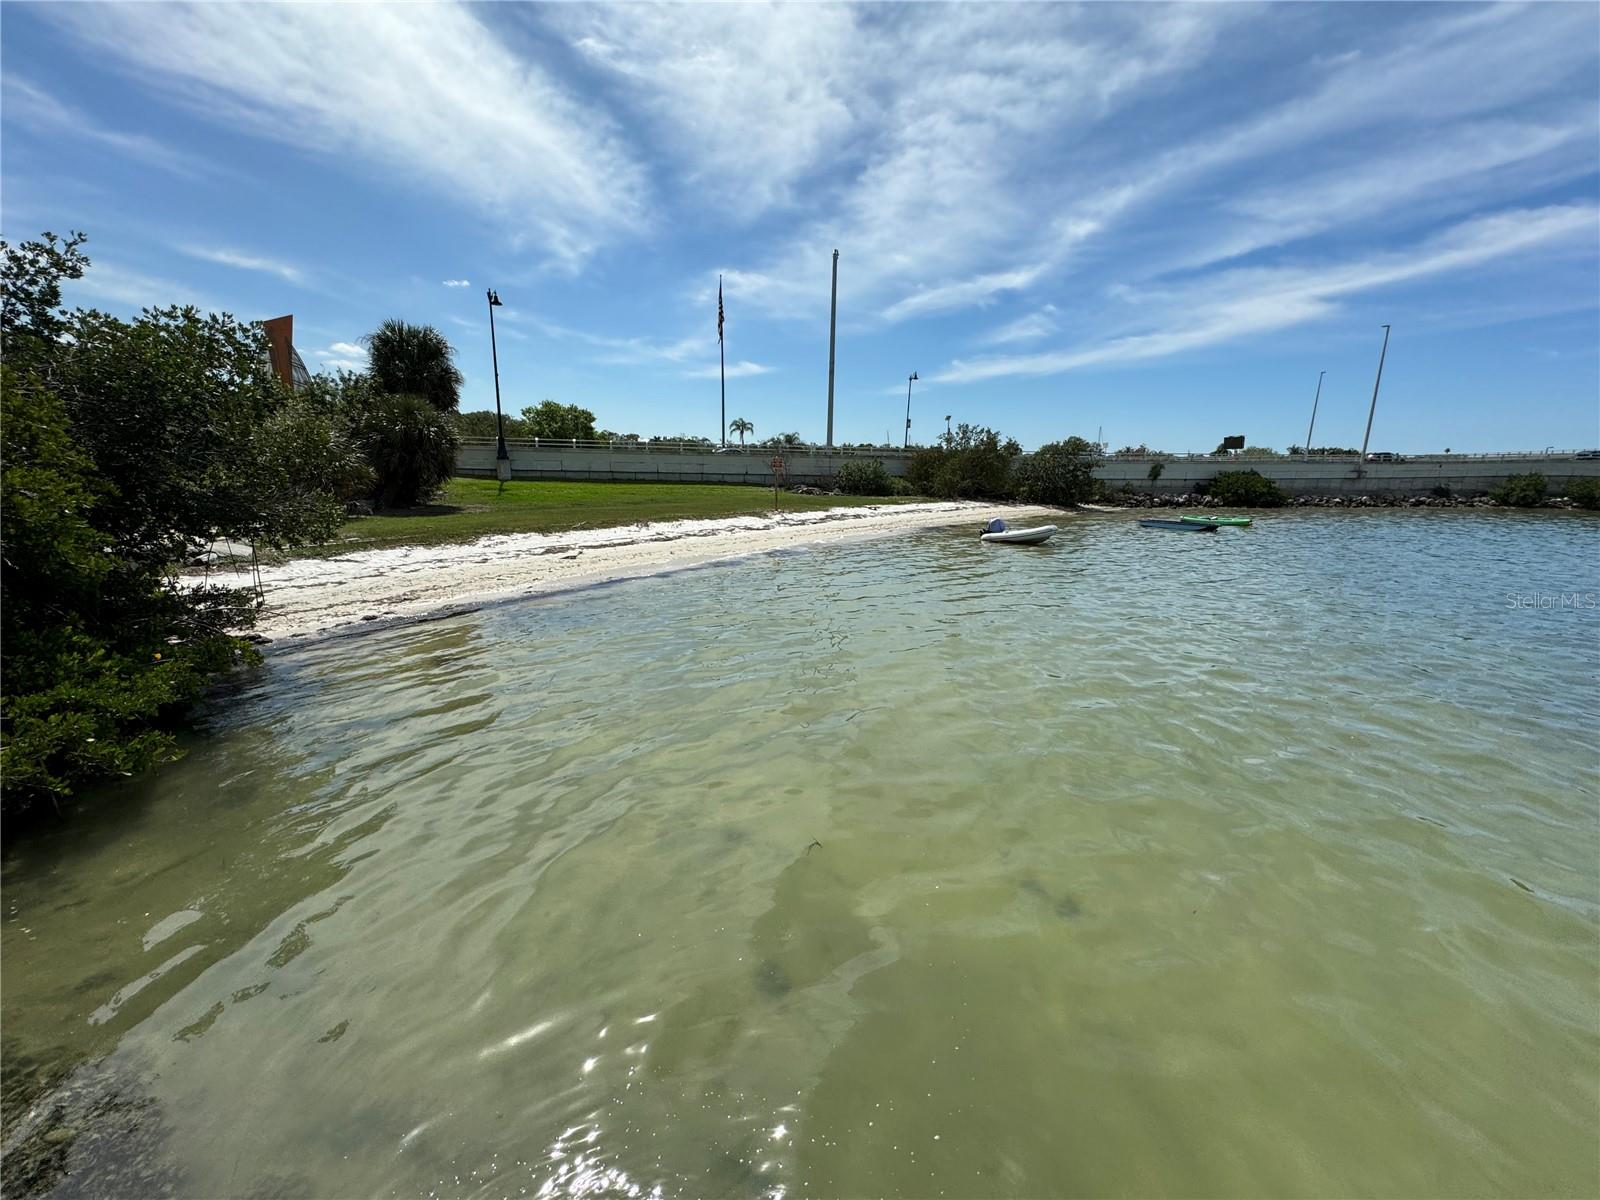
(1384, 456)
(1588, 454)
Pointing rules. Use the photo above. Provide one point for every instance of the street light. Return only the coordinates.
(501, 454)
(910, 379)
(947, 426)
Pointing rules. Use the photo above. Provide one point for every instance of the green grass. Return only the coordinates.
(474, 508)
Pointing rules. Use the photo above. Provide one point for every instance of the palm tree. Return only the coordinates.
(414, 360)
(740, 426)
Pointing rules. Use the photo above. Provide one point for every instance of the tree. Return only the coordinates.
(486, 425)
(558, 422)
(414, 360)
(1246, 489)
(970, 462)
(783, 441)
(740, 426)
(1520, 491)
(411, 447)
(126, 447)
(1057, 473)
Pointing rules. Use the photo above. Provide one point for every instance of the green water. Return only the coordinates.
(1259, 863)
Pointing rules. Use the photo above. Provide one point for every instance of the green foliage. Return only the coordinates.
(740, 426)
(484, 425)
(414, 360)
(1154, 473)
(128, 446)
(862, 477)
(1315, 451)
(1057, 473)
(563, 422)
(411, 447)
(901, 487)
(782, 442)
(972, 463)
(1259, 452)
(1585, 493)
(1520, 491)
(1246, 489)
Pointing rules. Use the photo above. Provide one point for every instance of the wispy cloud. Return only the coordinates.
(108, 282)
(1027, 328)
(455, 283)
(738, 370)
(425, 90)
(245, 262)
(1230, 305)
(31, 106)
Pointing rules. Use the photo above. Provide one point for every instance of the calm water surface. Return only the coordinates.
(1262, 863)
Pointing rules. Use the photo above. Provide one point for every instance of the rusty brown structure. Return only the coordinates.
(285, 360)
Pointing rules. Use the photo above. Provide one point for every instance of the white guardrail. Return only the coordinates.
(646, 446)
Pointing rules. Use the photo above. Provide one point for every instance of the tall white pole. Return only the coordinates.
(1313, 424)
(833, 324)
(1374, 408)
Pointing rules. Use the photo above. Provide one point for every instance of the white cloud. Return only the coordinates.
(343, 356)
(1229, 305)
(107, 282)
(28, 105)
(1029, 327)
(455, 283)
(245, 262)
(738, 370)
(425, 91)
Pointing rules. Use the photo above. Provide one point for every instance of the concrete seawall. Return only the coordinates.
(1418, 476)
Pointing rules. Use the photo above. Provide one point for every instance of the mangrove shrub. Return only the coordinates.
(1246, 489)
(862, 477)
(1057, 473)
(1520, 491)
(972, 463)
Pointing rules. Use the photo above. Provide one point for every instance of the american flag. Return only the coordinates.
(719, 309)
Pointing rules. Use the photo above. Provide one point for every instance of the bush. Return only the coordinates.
(862, 477)
(1246, 489)
(901, 487)
(1058, 473)
(1154, 473)
(970, 464)
(1520, 491)
(1585, 493)
(411, 448)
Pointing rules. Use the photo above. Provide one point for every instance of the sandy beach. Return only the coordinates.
(374, 589)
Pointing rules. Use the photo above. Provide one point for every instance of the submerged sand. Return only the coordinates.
(376, 588)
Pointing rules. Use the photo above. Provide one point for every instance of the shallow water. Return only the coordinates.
(1257, 863)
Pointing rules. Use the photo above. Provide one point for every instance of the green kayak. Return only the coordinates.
(1215, 520)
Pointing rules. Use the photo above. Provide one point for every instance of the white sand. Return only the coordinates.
(374, 589)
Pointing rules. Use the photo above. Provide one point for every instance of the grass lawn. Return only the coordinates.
(474, 508)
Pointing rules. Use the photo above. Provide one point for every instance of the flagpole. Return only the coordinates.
(722, 366)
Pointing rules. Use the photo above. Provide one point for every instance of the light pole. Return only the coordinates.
(910, 379)
(1313, 424)
(947, 427)
(1362, 466)
(501, 454)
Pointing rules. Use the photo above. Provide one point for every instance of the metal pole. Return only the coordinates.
(501, 453)
(909, 380)
(833, 321)
(1313, 424)
(722, 364)
(1368, 435)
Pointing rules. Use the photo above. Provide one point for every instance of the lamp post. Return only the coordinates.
(910, 379)
(1366, 437)
(947, 427)
(501, 454)
(1313, 424)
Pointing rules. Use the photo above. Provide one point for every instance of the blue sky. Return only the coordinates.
(1162, 221)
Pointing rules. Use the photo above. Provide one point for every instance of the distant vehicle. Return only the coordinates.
(1588, 454)
(1384, 456)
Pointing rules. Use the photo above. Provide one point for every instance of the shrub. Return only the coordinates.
(1058, 473)
(1585, 493)
(1245, 489)
(970, 464)
(1520, 491)
(411, 448)
(862, 477)
(901, 487)
(1155, 471)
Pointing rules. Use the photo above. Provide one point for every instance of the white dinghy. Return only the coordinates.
(998, 531)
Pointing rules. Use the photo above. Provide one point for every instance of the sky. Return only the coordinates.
(1143, 223)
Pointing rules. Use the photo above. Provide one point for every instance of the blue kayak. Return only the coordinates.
(1180, 526)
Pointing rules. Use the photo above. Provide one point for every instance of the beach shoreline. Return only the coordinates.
(316, 598)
